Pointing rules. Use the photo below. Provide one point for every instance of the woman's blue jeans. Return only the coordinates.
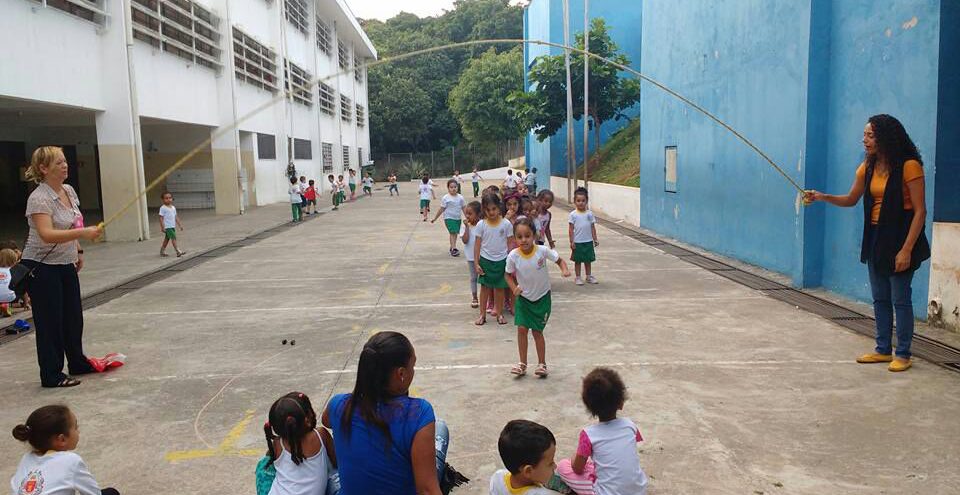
(892, 294)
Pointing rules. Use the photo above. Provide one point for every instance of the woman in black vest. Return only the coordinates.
(894, 243)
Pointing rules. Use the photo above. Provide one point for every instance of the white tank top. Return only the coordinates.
(309, 478)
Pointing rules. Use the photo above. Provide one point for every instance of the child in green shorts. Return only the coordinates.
(492, 235)
(426, 194)
(529, 278)
(451, 207)
(583, 235)
(169, 221)
(334, 192)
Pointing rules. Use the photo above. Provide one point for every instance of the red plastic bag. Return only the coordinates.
(108, 362)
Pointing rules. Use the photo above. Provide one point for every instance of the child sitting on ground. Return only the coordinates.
(606, 462)
(527, 450)
(50, 467)
(301, 455)
(22, 300)
(8, 258)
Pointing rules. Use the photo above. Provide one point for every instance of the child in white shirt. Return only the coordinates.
(334, 192)
(527, 450)
(583, 236)
(472, 215)
(475, 180)
(8, 258)
(51, 468)
(426, 194)
(494, 233)
(451, 207)
(169, 221)
(606, 462)
(368, 185)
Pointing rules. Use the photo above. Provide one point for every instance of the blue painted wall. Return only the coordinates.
(800, 79)
(947, 200)
(543, 20)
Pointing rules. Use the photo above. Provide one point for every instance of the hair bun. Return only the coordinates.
(21, 432)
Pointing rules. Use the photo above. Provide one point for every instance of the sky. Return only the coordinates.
(385, 9)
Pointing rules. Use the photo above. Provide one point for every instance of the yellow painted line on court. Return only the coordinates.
(227, 448)
(383, 268)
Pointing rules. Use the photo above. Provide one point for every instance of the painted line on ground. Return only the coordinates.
(412, 305)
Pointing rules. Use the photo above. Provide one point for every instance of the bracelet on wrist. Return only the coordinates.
(79, 251)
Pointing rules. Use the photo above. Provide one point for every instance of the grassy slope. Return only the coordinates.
(621, 158)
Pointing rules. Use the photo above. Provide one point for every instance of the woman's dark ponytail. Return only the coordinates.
(383, 353)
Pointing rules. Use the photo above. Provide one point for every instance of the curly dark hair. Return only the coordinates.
(603, 393)
(893, 142)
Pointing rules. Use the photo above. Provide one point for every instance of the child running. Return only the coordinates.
(393, 184)
(169, 221)
(494, 234)
(606, 462)
(368, 185)
(527, 450)
(583, 235)
(342, 187)
(451, 207)
(544, 203)
(353, 184)
(456, 177)
(334, 192)
(302, 454)
(529, 279)
(475, 180)
(311, 195)
(426, 194)
(472, 215)
(51, 467)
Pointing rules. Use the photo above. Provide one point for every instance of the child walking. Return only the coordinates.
(493, 233)
(296, 201)
(170, 221)
(527, 450)
(475, 180)
(8, 258)
(472, 215)
(311, 196)
(51, 466)
(368, 185)
(456, 177)
(426, 194)
(342, 187)
(528, 276)
(301, 455)
(451, 207)
(583, 235)
(544, 203)
(606, 462)
(393, 184)
(334, 192)
(353, 184)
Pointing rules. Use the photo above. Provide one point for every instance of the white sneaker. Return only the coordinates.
(579, 281)
(592, 280)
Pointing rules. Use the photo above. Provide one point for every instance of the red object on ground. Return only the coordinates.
(108, 362)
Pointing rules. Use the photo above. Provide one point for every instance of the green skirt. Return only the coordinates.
(424, 203)
(453, 226)
(493, 273)
(353, 188)
(583, 252)
(532, 314)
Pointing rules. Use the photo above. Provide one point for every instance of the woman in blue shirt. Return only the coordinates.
(386, 441)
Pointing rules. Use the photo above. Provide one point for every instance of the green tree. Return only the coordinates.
(403, 114)
(479, 100)
(544, 108)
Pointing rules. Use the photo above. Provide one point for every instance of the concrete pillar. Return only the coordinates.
(118, 136)
(225, 144)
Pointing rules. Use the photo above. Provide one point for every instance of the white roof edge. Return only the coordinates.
(345, 8)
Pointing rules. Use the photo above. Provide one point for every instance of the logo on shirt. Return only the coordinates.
(32, 484)
(542, 262)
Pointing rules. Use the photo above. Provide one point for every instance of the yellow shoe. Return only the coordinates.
(900, 364)
(873, 357)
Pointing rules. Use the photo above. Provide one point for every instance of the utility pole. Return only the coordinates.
(586, 94)
(571, 155)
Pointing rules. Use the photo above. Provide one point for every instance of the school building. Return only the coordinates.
(128, 87)
(800, 79)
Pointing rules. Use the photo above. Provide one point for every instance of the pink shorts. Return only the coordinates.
(581, 484)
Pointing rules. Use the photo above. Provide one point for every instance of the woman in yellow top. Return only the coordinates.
(894, 243)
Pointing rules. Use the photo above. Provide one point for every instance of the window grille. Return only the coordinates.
(343, 55)
(346, 109)
(302, 149)
(346, 158)
(326, 152)
(360, 157)
(254, 63)
(181, 27)
(327, 99)
(297, 83)
(357, 70)
(361, 116)
(266, 147)
(296, 12)
(89, 10)
(324, 37)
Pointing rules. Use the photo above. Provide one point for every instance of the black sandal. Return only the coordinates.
(67, 382)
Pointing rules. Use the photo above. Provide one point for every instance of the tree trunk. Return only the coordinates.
(596, 132)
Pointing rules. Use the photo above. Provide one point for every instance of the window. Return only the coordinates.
(90, 10)
(343, 55)
(670, 169)
(297, 83)
(327, 99)
(181, 27)
(326, 152)
(324, 38)
(254, 63)
(266, 147)
(357, 70)
(346, 157)
(302, 149)
(360, 157)
(296, 12)
(361, 114)
(346, 109)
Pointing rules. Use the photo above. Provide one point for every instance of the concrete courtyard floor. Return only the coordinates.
(734, 392)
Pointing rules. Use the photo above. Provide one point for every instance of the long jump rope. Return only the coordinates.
(222, 131)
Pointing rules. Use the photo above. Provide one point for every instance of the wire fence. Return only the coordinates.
(443, 162)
